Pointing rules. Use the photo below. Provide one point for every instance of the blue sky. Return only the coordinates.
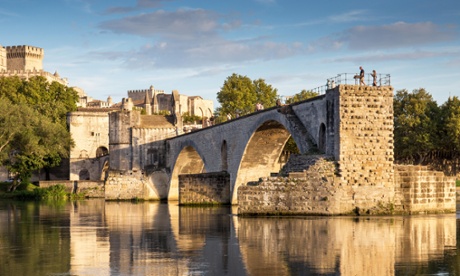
(109, 47)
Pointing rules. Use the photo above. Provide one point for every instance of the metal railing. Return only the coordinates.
(352, 78)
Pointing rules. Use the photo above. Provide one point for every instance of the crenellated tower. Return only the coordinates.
(24, 58)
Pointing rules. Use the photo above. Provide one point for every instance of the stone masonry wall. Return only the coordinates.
(206, 188)
(315, 191)
(423, 190)
(128, 185)
(364, 144)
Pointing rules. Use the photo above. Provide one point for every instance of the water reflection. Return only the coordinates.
(121, 238)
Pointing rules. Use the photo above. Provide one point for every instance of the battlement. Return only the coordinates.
(143, 91)
(139, 95)
(26, 74)
(25, 50)
(24, 57)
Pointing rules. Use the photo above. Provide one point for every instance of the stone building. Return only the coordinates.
(158, 101)
(25, 61)
(96, 127)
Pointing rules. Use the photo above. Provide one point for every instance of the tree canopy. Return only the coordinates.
(301, 96)
(239, 95)
(415, 125)
(33, 131)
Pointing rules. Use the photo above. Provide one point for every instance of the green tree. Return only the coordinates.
(265, 93)
(415, 125)
(52, 100)
(239, 95)
(301, 96)
(29, 140)
(449, 127)
(33, 129)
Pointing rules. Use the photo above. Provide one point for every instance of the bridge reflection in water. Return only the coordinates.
(123, 238)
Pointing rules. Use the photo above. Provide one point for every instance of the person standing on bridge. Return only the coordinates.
(374, 78)
(361, 76)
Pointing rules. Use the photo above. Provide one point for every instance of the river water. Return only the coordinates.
(100, 238)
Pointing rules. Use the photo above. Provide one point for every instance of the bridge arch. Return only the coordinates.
(188, 161)
(261, 154)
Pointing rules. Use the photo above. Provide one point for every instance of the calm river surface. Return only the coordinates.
(100, 238)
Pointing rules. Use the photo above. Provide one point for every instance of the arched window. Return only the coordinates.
(101, 151)
(83, 175)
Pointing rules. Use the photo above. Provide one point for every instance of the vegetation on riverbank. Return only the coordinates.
(27, 191)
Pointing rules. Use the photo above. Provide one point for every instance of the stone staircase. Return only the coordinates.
(296, 124)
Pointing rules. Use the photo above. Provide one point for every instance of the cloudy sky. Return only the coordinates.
(109, 47)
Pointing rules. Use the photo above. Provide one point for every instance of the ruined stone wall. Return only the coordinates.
(422, 190)
(128, 185)
(206, 188)
(316, 191)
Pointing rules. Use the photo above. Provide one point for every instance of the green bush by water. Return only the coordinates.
(31, 192)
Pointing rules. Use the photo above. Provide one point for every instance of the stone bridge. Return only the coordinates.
(351, 123)
(250, 147)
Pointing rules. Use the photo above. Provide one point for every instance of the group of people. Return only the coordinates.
(361, 77)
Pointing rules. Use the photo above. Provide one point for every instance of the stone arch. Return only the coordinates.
(322, 138)
(224, 156)
(102, 151)
(187, 162)
(84, 175)
(261, 155)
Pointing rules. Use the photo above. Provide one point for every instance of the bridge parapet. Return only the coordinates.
(351, 78)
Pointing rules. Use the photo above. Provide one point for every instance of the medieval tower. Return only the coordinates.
(24, 58)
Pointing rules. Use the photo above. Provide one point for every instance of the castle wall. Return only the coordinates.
(32, 73)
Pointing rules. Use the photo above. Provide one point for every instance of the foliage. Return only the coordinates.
(33, 130)
(239, 95)
(301, 96)
(52, 100)
(415, 125)
(291, 146)
(449, 127)
(187, 118)
(32, 192)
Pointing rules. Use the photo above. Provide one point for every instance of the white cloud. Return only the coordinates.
(402, 55)
(399, 34)
(181, 24)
